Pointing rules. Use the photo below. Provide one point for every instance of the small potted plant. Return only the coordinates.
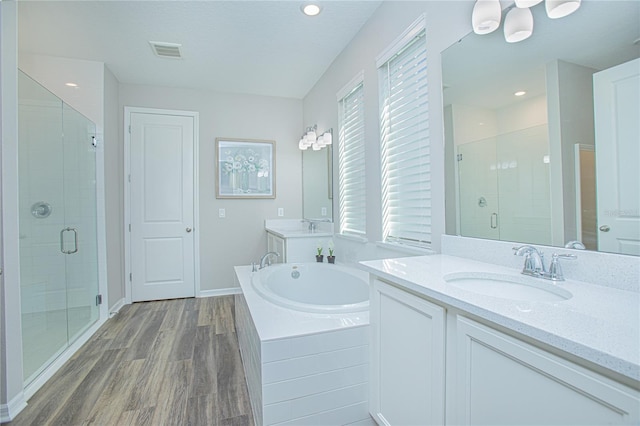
(319, 256)
(331, 258)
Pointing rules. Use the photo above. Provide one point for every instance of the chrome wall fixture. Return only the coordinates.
(518, 22)
(311, 139)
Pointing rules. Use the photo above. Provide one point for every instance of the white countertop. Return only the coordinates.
(275, 322)
(598, 324)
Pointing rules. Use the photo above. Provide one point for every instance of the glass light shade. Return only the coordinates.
(316, 146)
(311, 136)
(327, 138)
(561, 8)
(526, 3)
(486, 16)
(302, 145)
(320, 141)
(518, 25)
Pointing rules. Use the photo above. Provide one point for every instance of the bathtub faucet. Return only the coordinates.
(265, 261)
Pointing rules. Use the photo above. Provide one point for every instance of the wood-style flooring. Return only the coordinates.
(171, 362)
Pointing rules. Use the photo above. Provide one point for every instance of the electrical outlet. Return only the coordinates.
(280, 212)
(324, 211)
(222, 213)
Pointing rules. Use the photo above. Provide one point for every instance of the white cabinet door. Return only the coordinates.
(277, 244)
(504, 381)
(407, 358)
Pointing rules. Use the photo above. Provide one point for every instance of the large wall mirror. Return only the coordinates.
(561, 161)
(317, 196)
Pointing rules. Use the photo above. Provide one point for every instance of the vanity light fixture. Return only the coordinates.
(311, 9)
(518, 23)
(310, 139)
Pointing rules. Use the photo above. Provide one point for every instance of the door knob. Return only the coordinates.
(605, 228)
(188, 229)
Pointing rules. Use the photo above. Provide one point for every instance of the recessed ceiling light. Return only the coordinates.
(520, 93)
(71, 84)
(311, 9)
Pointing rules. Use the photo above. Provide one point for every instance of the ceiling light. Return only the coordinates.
(71, 84)
(561, 8)
(486, 16)
(520, 93)
(518, 25)
(311, 9)
(526, 3)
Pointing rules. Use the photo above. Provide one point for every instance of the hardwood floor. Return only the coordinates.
(171, 362)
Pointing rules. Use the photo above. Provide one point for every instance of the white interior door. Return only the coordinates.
(617, 108)
(161, 206)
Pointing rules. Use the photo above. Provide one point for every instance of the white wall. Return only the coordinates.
(446, 23)
(570, 100)
(240, 238)
(113, 171)
(11, 396)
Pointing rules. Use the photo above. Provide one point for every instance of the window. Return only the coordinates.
(404, 138)
(351, 164)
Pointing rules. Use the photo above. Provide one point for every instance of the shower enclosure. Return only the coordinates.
(503, 187)
(58, 223)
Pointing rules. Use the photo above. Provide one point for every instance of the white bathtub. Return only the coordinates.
(313, 287)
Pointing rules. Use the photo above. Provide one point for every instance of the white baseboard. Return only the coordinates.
(10, 410)
(220, 292)
(116, 307)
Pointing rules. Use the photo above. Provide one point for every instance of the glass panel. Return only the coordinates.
(80, 221)
(57, 201)
(42, 268)
(504, 191)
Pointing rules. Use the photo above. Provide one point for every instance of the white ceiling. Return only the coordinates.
(256, 47)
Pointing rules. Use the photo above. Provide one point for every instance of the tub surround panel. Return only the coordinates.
(302, 368)
(594, 325)
(606, 269)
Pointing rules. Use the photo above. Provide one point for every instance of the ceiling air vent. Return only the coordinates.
(166, 50)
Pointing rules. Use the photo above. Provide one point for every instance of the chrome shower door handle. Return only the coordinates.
(494, 220)
(75, 240)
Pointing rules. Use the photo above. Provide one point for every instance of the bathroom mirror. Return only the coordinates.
(317, 172)
(522, 168)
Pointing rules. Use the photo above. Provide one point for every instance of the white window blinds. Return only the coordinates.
(404, 137)
(352, 198)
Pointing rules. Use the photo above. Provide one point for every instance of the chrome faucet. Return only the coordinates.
(533, 260)
(265, 261)
(534, 263)
(313, 225)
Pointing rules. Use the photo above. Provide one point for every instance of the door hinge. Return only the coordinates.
(130, 277)
(129, 128)
(98, 299)
(459, 157)
(129, 178)
(129, 227)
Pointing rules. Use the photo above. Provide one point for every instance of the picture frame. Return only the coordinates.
(246, 168)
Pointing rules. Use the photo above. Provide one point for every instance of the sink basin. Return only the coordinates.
(508, 286)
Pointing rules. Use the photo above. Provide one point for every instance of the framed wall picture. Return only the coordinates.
(246, 168)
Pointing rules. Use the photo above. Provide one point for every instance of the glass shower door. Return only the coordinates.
(78, 237)
(57, 201)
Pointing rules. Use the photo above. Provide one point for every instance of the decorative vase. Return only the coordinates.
(244, 182)
(331, 259)
(319, 258)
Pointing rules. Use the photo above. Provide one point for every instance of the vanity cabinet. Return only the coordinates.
(502, 380)
(407, 358)
(277, 244)
(491, 378)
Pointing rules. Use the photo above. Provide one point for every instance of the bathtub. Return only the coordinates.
(313, 287)
(303, 332)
